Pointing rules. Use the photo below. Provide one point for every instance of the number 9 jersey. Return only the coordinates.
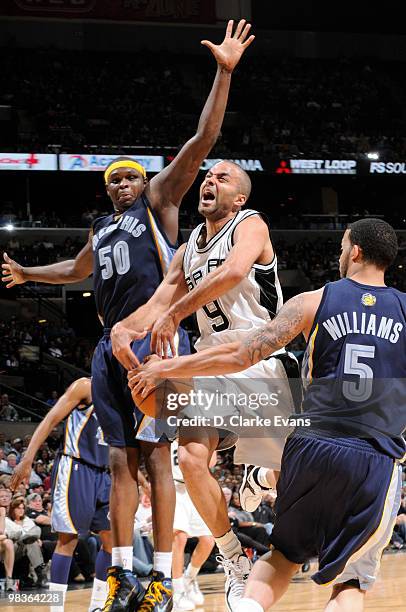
(247, 306)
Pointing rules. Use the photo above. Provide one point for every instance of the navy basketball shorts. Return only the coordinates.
(121, 421)
(337, 500)
(80, 497)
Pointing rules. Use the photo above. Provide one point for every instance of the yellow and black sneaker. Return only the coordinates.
(159, 595)
(125, 591)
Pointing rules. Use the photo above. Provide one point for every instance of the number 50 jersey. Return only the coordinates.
(131, 256)
(247, 306)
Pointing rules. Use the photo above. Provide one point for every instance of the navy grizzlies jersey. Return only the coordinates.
(131, 256)
(83, 437)
(354, 367)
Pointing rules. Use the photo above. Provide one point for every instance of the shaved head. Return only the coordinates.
(244, 179)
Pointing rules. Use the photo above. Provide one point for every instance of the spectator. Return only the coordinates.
(11, 463)
(6, 544)
(7, 411)
(3, 462)
(42, 518)
(25, 534)
(17, 448)
(53, 399)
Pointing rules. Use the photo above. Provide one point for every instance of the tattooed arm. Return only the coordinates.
(295, 317)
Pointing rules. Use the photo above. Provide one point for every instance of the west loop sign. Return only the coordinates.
(323, 166)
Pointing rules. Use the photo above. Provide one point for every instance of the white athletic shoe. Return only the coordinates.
(182, 603)
(251, 493)
(236, 570)
(193, 591)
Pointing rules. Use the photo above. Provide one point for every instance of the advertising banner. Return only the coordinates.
(387, 168)
(84, 162)
(317, 166)
(186, 11)
(28, 161)
(249, 165)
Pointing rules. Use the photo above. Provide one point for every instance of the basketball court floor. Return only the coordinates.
(389, 594)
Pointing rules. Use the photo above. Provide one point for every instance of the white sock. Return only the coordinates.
(163, 563)
(229, 545)
(122, 556)
(262, 478)
(99, 594)
(248, 605)
(191, 572)
(55, 586)
(178, 585)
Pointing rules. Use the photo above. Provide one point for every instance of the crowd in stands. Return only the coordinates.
(317, 259)
(23, 340)
(289, 106)
(27, 514)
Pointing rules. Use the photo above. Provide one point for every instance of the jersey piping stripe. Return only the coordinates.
(312, 341)
(153, 229)
(386, 525)
(265, 267)
(214, 239)
(240, 217)
(74, 427)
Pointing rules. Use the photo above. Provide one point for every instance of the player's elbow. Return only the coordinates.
(238, 357)
(207, 136)
(234, 274)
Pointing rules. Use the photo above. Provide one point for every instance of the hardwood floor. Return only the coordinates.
(389, 593)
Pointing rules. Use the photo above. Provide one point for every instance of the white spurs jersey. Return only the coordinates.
(176, 471)
(247, 306)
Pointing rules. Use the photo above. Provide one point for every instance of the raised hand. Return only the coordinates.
(13, 273)
(228, 54)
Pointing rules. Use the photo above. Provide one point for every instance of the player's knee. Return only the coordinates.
(118, 464)
(206, 542)
(158, 464)
(193, 466)
(66, 543)
(179, 539)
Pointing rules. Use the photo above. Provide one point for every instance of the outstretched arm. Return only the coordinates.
(135, 325)
(70, 271)
(295, 317)
(251, 238)
(78, 392)
(167, 188)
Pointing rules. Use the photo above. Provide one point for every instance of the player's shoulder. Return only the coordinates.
(249, 218)
(80, 389)
(100, 222)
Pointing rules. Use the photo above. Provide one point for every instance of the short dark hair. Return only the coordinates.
(245, 181)
(377, 240)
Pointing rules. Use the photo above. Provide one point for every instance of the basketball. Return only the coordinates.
(167, 399)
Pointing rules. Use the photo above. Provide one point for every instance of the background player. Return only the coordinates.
(339, 488)
(187, 523)
(128, 254)
(230, 268)
(80, 484)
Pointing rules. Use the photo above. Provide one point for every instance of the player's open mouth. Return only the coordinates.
(208, 197)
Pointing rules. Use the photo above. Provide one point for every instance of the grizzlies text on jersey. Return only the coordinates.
(131, 255)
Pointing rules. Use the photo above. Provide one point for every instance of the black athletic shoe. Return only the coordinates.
(125, 591)
(159, 595)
